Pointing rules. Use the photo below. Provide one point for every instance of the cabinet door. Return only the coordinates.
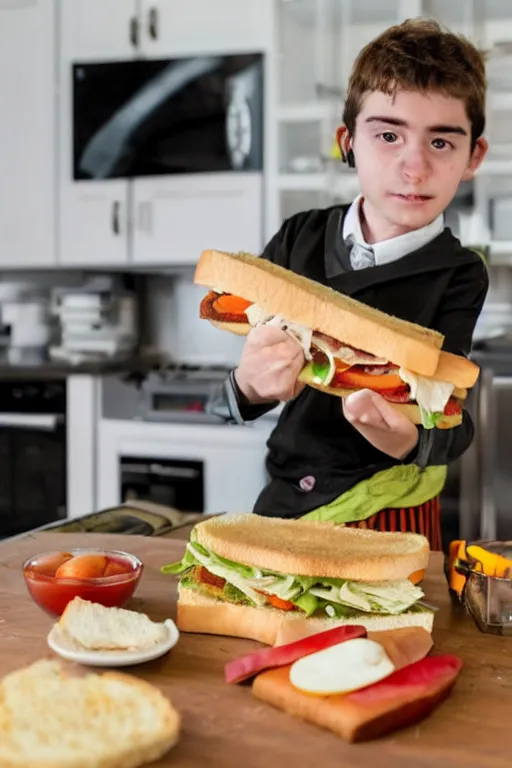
(176, 218)
(98, 29)
(177, 28)
(93, 224)
(27, 133)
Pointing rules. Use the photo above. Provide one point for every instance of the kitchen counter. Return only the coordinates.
(226, 726)
(51, 369)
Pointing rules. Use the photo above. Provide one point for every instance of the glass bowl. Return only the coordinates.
(489, 598)
(105, 576)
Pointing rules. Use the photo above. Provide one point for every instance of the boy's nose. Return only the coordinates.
(415, 165)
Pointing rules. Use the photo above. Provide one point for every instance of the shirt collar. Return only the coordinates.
(395, 247)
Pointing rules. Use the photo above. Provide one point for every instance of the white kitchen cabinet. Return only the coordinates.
(94, 219)
(93, 216)
(176, 218)
(99, 30)
(177, 28)
(27, 133)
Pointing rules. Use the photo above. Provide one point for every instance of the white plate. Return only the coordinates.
(64, 646)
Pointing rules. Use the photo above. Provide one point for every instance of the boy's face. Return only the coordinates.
(412, 151)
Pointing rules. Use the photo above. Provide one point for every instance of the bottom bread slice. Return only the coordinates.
(199, 613)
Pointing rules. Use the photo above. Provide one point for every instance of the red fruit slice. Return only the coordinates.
(82, 567)
(248, 666)
(405, 697)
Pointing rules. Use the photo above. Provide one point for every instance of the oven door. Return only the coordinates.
(202, 114)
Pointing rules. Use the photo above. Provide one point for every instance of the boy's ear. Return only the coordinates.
(476, 159)
(345, 144)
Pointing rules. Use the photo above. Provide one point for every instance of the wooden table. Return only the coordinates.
(226, 726)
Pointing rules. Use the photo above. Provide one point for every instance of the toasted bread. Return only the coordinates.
(309, 548)
(95, 627)
(49, 718)
(309, 303)
(206, 615)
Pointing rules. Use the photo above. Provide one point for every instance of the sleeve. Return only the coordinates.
(229, 402)
(456, 319)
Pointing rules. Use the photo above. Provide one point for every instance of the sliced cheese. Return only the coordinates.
(341, 668)
(430, 394)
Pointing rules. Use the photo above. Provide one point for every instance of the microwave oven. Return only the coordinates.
(147, 117)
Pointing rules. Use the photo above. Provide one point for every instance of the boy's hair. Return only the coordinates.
(418, 55)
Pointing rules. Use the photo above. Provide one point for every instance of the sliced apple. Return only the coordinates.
(247, 666)
(342, 668)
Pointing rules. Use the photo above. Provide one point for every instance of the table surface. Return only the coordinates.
(227, 726)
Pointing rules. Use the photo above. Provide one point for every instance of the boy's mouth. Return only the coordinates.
(413, 198)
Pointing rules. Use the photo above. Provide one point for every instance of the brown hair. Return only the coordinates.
(418, 55)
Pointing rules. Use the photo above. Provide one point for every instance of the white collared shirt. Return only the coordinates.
(395, 247)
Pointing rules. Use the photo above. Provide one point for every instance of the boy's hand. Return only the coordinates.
(386, 429)
(270, 363)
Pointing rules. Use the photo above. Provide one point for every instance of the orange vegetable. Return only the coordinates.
(277, 602)
(83, 567)
(456, 551)
(360, 380)
(417, 576)
(490, 563)
(227, 304)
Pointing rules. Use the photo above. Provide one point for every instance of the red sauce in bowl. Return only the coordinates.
(108, 577)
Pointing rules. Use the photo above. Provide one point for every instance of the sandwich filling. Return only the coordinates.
(228, 581)
(336, 365)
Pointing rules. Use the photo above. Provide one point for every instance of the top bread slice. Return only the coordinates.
(95, 627)
(307, 548)
(51, 719)
(309, 303)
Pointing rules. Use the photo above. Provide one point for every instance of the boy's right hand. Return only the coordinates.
(270, 364)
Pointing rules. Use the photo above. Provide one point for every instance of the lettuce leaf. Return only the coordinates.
(307, 593)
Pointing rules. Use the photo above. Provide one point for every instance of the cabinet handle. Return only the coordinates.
(153, 23)
(116, 205)
(134, 32)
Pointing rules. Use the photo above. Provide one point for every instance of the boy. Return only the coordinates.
(412, 125)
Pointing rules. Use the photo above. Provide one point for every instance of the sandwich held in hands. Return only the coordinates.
(245, 575)
(347, 345)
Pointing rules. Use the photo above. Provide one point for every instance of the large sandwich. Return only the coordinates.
(244, 575)
(347, 345)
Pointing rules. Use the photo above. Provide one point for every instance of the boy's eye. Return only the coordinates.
(389, 136)
(440, 143)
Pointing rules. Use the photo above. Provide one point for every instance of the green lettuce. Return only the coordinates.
(335, 597)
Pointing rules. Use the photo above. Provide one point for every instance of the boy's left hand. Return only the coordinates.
(385, 428)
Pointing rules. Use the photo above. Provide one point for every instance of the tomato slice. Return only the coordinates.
(227, 304)
(206, 577)
(277, 602)
(453, 408)
(357, 379)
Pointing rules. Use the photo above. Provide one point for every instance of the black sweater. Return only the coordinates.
(440, 286)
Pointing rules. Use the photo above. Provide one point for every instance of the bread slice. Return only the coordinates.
(308, 548)
(200, 613)
(51, 719)
(411, 410)
(95, 627)
(304, 301)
